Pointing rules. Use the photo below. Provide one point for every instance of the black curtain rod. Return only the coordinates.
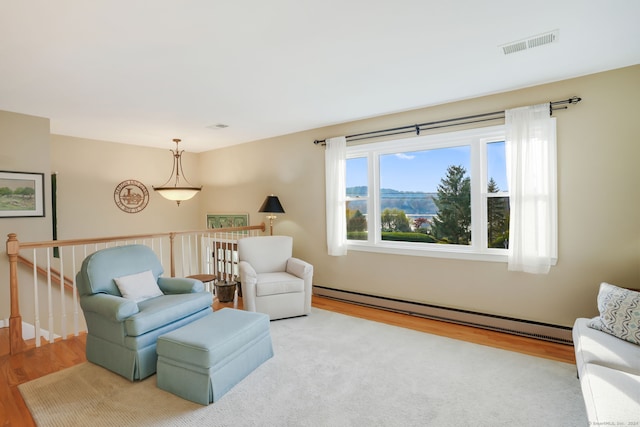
(476, 118)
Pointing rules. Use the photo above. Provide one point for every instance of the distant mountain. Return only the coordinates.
(411, 202)
(357, 191)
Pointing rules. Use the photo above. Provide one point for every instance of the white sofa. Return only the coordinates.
(609, 371)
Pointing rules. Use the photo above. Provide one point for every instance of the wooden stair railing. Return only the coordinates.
(13, 246)
(55, 274)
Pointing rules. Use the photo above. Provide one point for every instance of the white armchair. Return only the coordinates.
(273, 282)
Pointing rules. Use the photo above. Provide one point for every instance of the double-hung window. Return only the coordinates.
(442, 195)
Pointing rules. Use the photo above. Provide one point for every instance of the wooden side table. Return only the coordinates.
(209, 280)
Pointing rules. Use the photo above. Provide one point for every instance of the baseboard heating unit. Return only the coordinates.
(526, 328)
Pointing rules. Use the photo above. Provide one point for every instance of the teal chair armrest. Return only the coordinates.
(179, 285)
(112, 307)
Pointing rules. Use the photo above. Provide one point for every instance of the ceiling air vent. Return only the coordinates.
(530, 43)
(218, 126)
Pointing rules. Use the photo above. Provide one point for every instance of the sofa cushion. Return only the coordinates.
(138, 286)
(619, 313)
(593, 346)
(157, 312)
(151, 337)
(215, 338)
(610, 396)
(278, 283)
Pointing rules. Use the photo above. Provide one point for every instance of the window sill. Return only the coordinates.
(442, 251)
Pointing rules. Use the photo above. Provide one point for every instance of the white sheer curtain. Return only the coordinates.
(335, 176)
(531, 172)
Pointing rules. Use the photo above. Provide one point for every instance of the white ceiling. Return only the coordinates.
(145, 72)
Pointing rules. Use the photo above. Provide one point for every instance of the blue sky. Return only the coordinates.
(423, 170)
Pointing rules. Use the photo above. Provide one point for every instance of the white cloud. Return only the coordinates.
(404, 156)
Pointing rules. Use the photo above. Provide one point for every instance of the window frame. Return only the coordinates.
(475, 138)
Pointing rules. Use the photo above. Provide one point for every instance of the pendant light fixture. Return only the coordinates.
(178, 191)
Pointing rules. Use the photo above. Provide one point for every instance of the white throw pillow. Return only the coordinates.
(139, 286)
(619, 313)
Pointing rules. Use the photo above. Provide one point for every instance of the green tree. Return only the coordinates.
(395, 220)
(24, 191)
(357, 222)
(349, 211)
(5, 191)
(453, 221)
(497, 217)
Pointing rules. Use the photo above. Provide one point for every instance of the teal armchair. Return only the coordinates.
(122, 333)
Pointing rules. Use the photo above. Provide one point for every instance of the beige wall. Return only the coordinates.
(24, 147)
(88, 173)
(599, 203)
(599, 206)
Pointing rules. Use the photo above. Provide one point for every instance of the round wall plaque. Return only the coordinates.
(131, 196)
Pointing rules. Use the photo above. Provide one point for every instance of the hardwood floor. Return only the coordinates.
(37, 362)
(530, 346)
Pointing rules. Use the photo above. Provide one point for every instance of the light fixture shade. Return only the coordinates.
(177, 194)
(271, 205)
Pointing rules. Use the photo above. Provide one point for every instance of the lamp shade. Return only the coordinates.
(271, 205)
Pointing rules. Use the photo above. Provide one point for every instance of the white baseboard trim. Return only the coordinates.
(28, 330)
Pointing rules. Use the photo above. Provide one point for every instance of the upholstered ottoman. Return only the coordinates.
(203, 360)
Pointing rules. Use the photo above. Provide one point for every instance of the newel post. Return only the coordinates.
(15, 320)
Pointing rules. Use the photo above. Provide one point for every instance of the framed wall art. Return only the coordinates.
(227, 220)
(21, 194)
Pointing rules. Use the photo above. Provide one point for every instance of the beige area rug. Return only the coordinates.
(335, 370)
